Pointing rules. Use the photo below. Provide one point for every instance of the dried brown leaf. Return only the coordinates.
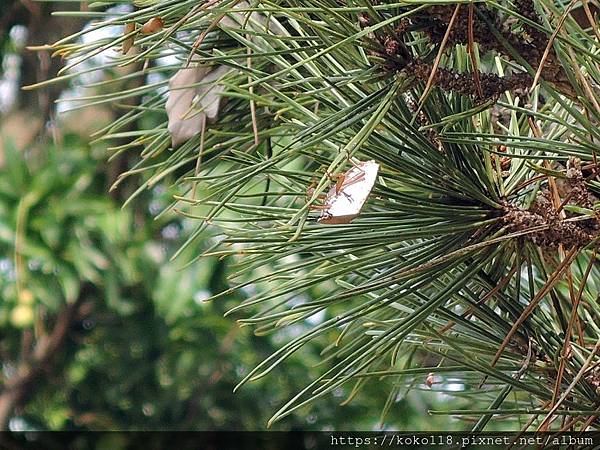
(128, 43)
(154, 25)
(193, 92)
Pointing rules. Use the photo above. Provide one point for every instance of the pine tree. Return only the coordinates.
(411, 184)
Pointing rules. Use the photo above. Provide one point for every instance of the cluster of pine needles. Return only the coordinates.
(474, 260)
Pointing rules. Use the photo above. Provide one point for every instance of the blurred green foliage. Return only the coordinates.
(144, 350)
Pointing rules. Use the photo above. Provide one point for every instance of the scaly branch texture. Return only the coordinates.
(473, 259)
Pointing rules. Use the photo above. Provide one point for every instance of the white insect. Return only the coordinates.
(345, 200)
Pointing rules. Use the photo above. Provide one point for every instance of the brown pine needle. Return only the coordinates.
(470, 51)
(554, 278)
(590, 17)
(211, 27)
(483, 299)
(550, 44)
(574, 383)
(438, 58)
(589, 92)
(573, 319)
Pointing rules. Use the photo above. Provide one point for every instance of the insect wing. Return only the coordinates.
(345, 205)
